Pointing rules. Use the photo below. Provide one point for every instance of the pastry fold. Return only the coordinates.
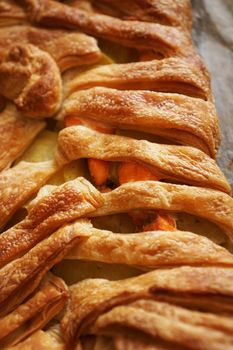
(180, 119)
(21, 277)
(148, 250)
(165, 40)
(40, 340)
(16, 134)
(66, 203)
(35, 313)
(31, 78)
(69, 49)
(181, 164)
(204, 288)
(173, 75)
(11, 13)
(174, 13)
(131, 342)
(20, 183)
(172, 324)
(214, 206)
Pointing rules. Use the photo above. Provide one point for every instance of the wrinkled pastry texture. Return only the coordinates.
(178, 118)
(206, 288)
(31, 78)
(16, 134)
(180, 163)
(212, 205)
(35, 312)
(20, 277)
(66, 203)
(148, 250)
(68, 49)
(185, 300)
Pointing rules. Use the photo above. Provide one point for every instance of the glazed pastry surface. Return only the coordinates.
(116, 221)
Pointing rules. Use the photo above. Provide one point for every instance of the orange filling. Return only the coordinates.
(135, 172)
(163, 222)
(99, 169)
(128, 172)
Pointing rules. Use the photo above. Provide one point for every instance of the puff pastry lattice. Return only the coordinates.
(116, 222)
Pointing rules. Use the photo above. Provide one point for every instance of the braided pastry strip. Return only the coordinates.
(206, 288)
(148, 250)
(47, 302)
(142, 35)
(20, 277)
(99, 307)
(174, 13)
(178, 163)
(169, 323)
(16, 134)
(178, 118)
(68, 202)
(20, 183)
(172, 74)
(214, 206)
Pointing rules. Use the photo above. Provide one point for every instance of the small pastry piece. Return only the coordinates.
(177, 163)
(66, 203)
(69, 49)
(204, 288)
(18, 184)
(11, 13)
(173, 74)
(165, 40)
(215, 206)
(35, 313)
(148, 250)
(16, 134)
(21, 277)
(31, 78)
(181, 119)
(172, 324)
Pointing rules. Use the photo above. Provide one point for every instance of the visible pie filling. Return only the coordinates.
(115, 191)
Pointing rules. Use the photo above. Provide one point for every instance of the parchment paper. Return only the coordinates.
(213, 36)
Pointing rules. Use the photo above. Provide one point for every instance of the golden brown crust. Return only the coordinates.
(169, 12)
(142, 35)
(181, 119)
(173, 74)
(51, 339)
(215, 206)
(16, 134)
(177, 163)
(18, 184)
(11, 13)
(69, 49)
(40, 340)
(148, 250)
(20, 278)
(66, 203)
(35, 313)
(133, 342)
(169, 323)
(30, 77)
(206, 288)
(155, 310)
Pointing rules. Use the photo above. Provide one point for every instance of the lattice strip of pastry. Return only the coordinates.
(168, 96)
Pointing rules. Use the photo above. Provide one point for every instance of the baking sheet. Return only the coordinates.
(213, 36)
